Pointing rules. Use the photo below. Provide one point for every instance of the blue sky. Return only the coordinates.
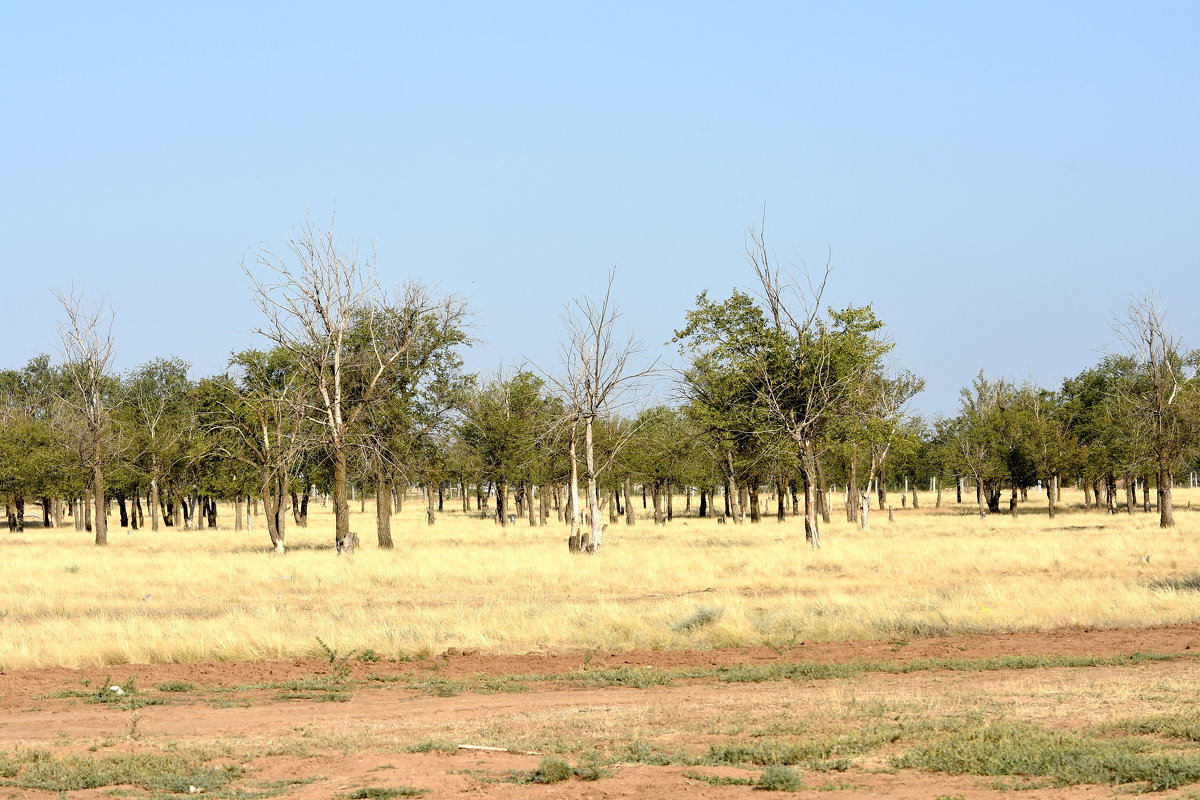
(997, 179)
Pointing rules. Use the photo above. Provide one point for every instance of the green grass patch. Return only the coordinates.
(176, 686)
(1169, 726)
(431, 746)
(316, 697)
(702, 617)
(38, 769)
(1027, 750)
(779, 778)
(553, 769)
(719, 780)
(635, 677)
(813, 670)
(382, 793)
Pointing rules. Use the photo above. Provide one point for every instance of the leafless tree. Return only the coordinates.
(1161, 400)
(86, 343)
(599, 375)
(324, 306)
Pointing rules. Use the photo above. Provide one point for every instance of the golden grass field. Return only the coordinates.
(177, 596)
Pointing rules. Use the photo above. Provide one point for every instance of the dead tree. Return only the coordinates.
(87, 349)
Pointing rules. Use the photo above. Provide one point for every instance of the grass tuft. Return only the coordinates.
(779, 778)
(701, 617)
(1027, 750)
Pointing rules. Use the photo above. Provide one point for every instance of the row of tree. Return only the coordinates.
(359, 389)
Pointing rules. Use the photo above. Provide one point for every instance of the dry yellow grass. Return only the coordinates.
(192, 595)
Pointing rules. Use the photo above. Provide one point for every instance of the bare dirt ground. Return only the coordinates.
(322, 729)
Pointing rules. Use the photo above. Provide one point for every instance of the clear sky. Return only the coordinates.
(997, 179)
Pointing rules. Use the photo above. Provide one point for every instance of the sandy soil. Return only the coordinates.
(342, 747)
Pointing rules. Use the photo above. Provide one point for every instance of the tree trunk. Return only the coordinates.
(431, 502)
(670, 501)
(343, 540)
(272, 498)
(732, 493)
(914, 495)
(1050, 498)
(808, 468)
(656, 496)
(703, 503)
(237, 513)
(529, 506)
(823, 499)
(1146, 494)
(852, 494)
(630, 517)
(101, 523)
(1166, 511)
(780, 501)
(1130, 494)
(383, 511)
(881, 493)
(502, 503)
(574, 544)
(543, 505)
(755, 502)
(155, 500)
(123, 511)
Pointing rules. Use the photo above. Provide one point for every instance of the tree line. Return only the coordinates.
(359, 391)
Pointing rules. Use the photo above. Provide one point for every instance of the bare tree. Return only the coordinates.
(599, 375)
(1161, 399)
(324, 306)
(86, 342)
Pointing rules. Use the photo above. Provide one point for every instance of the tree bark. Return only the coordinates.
(808, 468)
(630, 517)
(101, 523)
(502, 503)
(1050, 498)
(1166, 511)
(383, 512)
(343, 541)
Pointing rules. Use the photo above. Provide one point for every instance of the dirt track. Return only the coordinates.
(357, 737)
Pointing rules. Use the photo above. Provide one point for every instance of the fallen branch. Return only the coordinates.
(497, 749)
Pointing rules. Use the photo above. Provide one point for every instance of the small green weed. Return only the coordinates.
(719, 780)
(431, 746)
(779, 778)
(176, 686)
(702, 616)
(553, 770)
(317, 697)
(378, 793)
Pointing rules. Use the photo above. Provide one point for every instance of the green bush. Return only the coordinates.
(779, 778)
(553, 770)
